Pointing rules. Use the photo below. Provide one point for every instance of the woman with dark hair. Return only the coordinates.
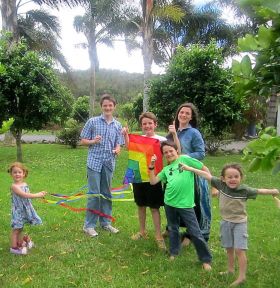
(192, 144)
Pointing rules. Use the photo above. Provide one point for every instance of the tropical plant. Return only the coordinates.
(257, 76)
(70, 134)
(102, 21)
(196, 75)
(80, 109)
(264, 152)
(42, 31)
(30, 91)
(145, 23)
(200, 25)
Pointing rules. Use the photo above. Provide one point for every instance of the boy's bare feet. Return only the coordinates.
(206, 266)
(237, 282)
(226, 273)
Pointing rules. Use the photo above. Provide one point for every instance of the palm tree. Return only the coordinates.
(199, 25)
(102, 21)
(41, 31)
(145, 24)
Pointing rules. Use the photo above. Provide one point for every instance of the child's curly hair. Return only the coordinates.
(20, 166)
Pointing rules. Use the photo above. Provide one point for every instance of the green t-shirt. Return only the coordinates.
(179, 192)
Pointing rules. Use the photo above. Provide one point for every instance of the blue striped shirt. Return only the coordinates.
(102, 153)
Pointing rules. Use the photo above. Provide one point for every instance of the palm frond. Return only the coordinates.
(172, 12)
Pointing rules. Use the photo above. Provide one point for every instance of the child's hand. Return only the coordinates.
(125, 130)
(275, 192)
(117, 150)
(153, 159)
(172, 129)
(42, 194)
(97, 139)
(184, 167)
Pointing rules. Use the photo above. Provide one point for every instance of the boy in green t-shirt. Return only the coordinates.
(179, 200)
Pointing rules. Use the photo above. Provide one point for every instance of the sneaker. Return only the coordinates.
(139, 236)
(19, 251)
(90, 231)
(28, 242)
(111, 229)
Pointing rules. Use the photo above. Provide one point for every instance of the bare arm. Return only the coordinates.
(17, 189)
(125, 132)
(153, 178)
(172, 130)
(273, 192)
(204, 172)
(88, 142)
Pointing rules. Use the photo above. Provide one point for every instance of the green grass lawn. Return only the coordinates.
(66, 257)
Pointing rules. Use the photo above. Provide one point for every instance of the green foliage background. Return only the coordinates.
(196, 75)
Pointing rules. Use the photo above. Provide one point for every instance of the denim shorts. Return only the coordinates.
(234, 235)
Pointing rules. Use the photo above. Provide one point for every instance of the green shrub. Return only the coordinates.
(70, 134)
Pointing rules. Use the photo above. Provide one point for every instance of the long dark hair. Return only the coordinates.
(194, 120)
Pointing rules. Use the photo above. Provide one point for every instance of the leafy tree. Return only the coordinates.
(80, 109)
(196, 75)
(30, 91)
(70, 134)
(258, 75)
(264, 152)
(6, 125)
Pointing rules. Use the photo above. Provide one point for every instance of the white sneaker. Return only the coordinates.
(30, 244)
(90, 231)
(111, 229)
(19, 251)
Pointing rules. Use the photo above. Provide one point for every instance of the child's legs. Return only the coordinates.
(157, 223)
(230, 255)
(242, 262)
(227, 242)
(93, 202)
(173, 221)
(15, 237)
(142, 219)
(189, 219)
(240, 246)
(105, 189)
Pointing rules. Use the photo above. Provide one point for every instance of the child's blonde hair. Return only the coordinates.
(20, 166)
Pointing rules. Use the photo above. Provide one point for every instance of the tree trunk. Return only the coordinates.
(147, 49)
(92, 51)
(9, 17)
(9, 23)
(17, 136)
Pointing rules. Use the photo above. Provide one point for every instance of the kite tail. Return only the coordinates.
(90, 210)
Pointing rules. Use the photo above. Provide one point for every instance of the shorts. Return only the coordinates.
(148, 195)
(234, 235)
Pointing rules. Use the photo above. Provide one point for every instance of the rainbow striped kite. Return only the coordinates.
(140, 151)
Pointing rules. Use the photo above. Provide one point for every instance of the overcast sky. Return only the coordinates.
(116, 58)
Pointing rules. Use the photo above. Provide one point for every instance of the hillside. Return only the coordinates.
(124, 86)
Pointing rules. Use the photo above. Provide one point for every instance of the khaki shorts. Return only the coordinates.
(234, 235)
